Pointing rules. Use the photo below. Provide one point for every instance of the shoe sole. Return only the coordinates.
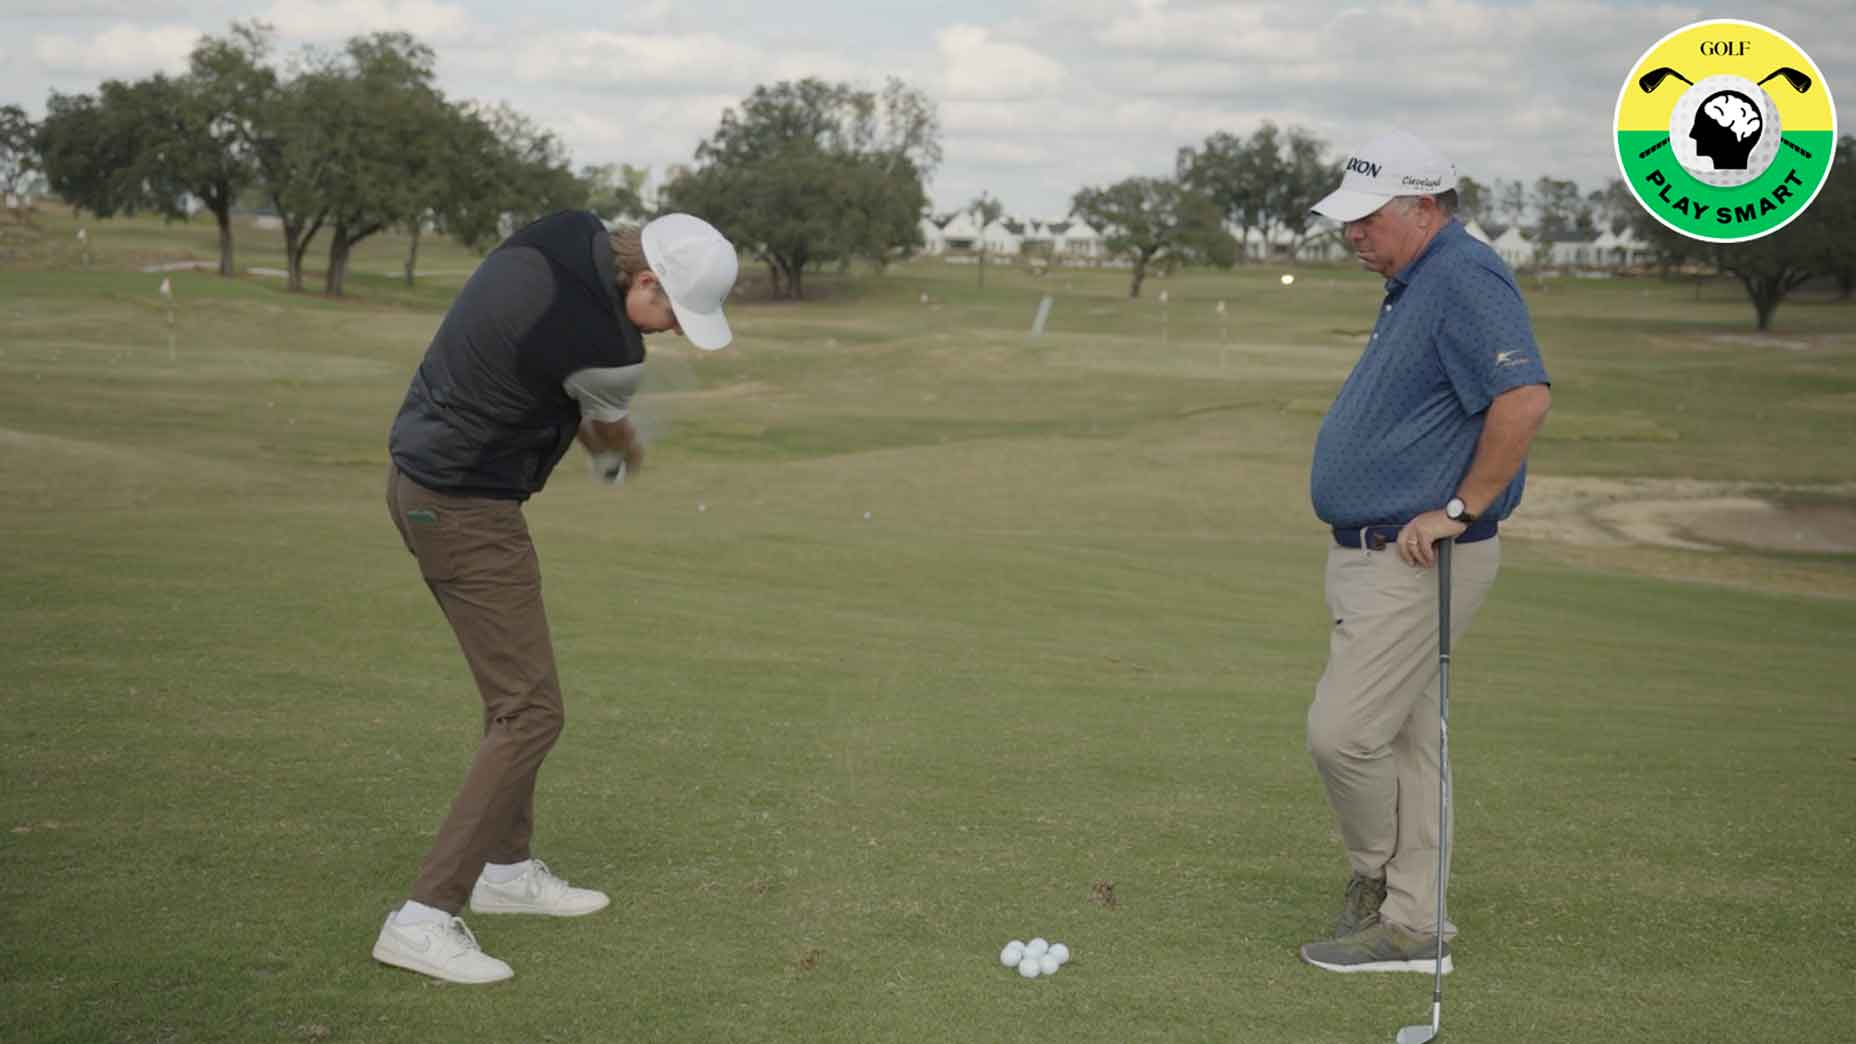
(474, 908)
(1427, 965)
(412, 964)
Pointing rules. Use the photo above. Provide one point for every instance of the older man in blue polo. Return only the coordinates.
(1427, 441)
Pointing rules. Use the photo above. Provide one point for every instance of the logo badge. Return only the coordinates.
(1725, 130)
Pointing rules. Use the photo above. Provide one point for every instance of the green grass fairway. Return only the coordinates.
(827, 764)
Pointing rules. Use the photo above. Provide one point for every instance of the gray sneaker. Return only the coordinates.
(1360, 911)
(1384, 947)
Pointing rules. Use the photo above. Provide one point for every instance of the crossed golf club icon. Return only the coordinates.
(1650, 81)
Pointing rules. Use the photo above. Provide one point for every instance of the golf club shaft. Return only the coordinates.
(1443, 763)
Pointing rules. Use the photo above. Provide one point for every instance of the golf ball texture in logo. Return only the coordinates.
(1682, 120)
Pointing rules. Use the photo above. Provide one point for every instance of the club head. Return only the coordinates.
(1417, 1034)
(1799, 81)
(1653, 79)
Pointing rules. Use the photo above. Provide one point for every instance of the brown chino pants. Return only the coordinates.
(477, 558)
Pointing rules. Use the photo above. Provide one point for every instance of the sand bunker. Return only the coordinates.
(1688, 515)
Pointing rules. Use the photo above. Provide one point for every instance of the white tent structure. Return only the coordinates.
(1080, 242)
(1514, 247)
(1000, 241)
(960, 233)
(933, 240)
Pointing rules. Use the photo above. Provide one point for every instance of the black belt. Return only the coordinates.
(1375, 537)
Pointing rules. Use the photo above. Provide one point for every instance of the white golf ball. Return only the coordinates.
(1287, 279)
(1029, 967)
(1048, 964)
(1036, 947)
(1013, 953)
(866, 516)
(1059, 951)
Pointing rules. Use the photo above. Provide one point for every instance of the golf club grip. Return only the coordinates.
(1443, 597)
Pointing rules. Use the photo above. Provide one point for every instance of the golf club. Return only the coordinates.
(1655, 77)
(1799, 81)
(1645, 154)
(1421, 1033)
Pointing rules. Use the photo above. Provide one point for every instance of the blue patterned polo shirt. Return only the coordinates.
(1451, 335)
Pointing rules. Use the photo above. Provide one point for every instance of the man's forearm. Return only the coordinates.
(618, 436)
(1514, 417)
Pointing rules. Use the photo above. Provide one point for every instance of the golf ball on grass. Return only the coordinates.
(1013, 953)
(1047, 964)
(1030, 967)
(1060, 952)
(1036, 947)
(1287, 279)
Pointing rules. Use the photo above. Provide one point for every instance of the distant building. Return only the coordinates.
(934, 241)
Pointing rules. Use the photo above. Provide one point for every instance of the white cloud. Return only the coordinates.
(659, 62)
(340, 19)
(121, 50)
(978, 67)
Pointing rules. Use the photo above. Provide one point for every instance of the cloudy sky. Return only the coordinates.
(1037, 97)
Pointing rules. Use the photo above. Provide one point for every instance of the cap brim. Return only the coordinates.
(1345, 204)
(706, 330)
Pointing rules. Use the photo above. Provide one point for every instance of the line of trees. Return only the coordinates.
(351, 142)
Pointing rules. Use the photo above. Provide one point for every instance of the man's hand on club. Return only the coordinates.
(1417, 542)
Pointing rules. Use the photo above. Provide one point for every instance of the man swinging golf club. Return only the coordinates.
(543, 346)
(1426, 442)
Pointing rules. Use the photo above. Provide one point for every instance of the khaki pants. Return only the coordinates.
(1372, 728)
(477, 558)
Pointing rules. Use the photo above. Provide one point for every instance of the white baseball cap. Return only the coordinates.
(697, 267)
(1397, 163)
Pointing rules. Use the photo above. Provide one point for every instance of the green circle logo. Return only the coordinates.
(1725, 130)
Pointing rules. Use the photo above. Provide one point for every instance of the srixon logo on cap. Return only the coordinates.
(1356, 165)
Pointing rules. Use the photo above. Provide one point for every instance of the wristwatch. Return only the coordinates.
(1457, 511)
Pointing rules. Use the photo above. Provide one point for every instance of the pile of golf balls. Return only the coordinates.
(1034, 958)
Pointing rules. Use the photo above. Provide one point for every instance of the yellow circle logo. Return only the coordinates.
(1725, 130)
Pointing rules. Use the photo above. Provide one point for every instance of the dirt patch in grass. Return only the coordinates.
(1793, 539)
(1688, 515)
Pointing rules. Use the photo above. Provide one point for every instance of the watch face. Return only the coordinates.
(1456, 509)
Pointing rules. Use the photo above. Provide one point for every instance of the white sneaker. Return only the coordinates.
(537, 891)
(442, 949)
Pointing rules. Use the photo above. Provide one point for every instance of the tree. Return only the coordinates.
(506, 171)
(1511, 198)
(1305, 177)
(1149, 219)
(1220, 170)
(1836, 206)
(374, 112)
(1613, 207)
(616, 190)
(1472, 199)
(19, 154)
(207, 134)
(985, 211)
(89, 148)
(806, 171)
(283, 138)
(1559, 208)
